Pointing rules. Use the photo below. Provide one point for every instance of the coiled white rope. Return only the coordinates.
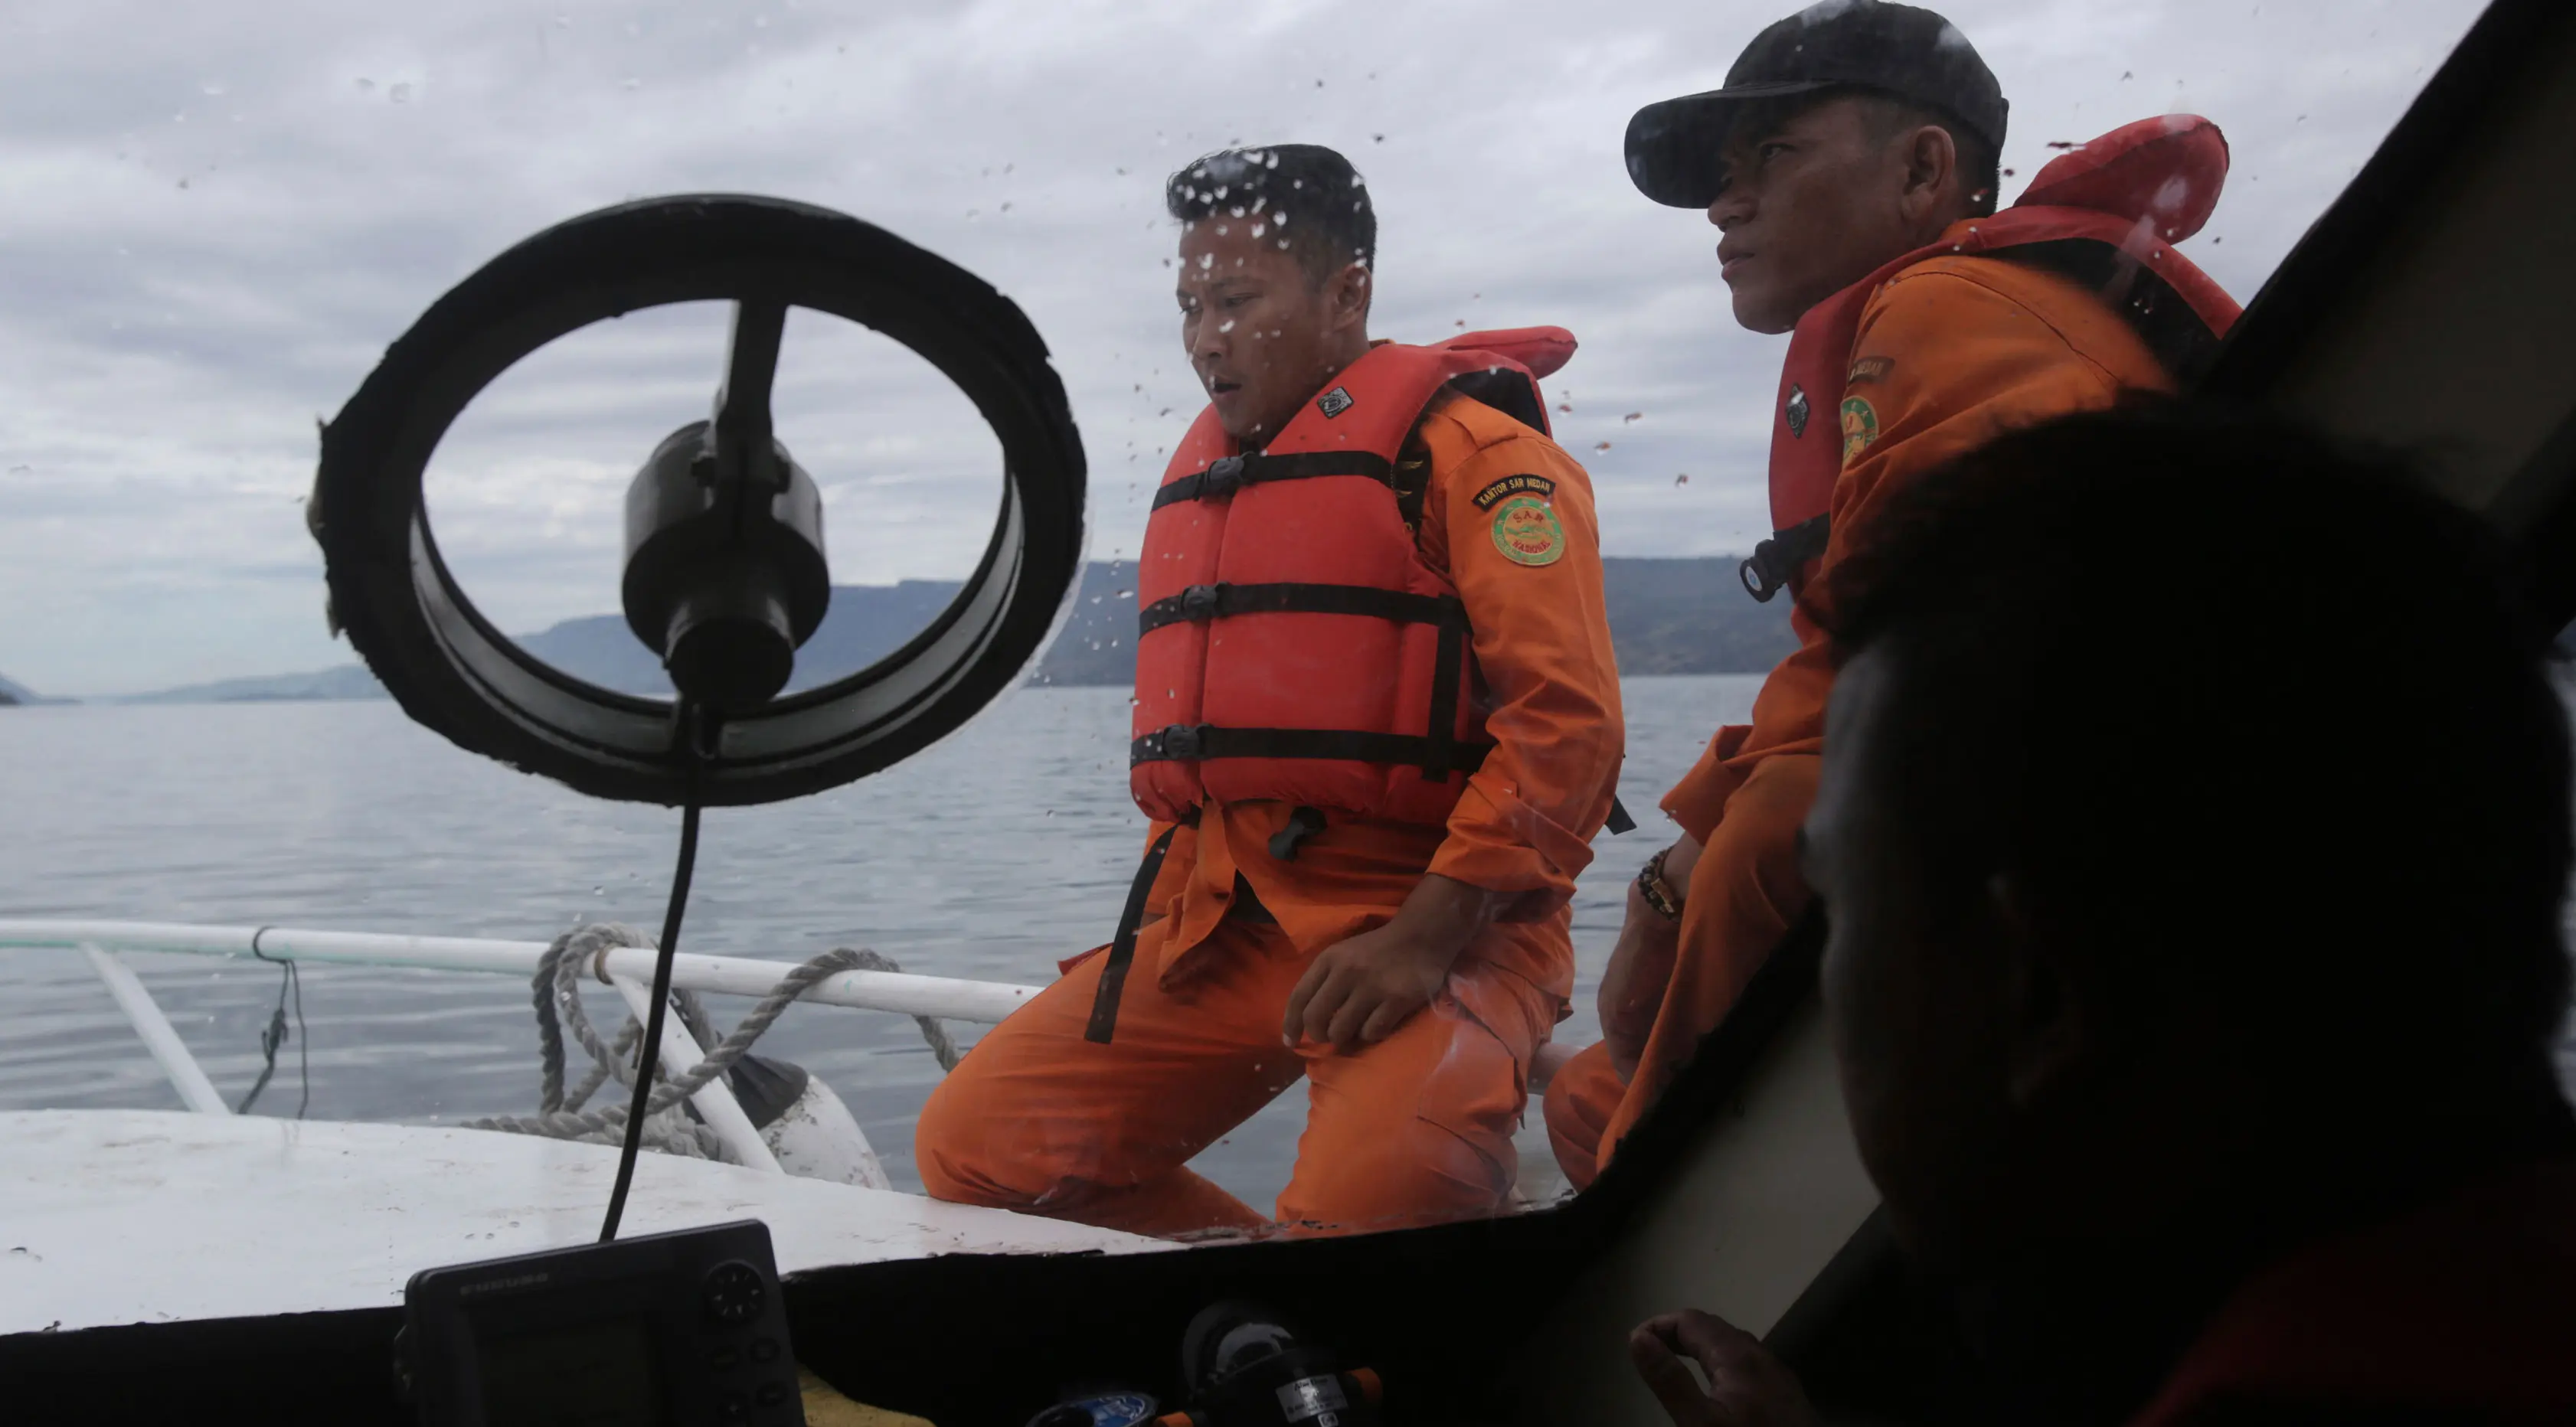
(556, 993)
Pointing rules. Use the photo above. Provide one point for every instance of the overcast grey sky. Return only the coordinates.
(217, 215)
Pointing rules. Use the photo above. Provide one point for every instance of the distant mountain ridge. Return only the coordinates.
(1686, 616)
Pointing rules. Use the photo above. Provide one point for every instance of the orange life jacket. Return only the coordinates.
(1292, 644)
(2105, 213)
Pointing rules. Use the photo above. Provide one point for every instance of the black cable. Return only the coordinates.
(649, 1059)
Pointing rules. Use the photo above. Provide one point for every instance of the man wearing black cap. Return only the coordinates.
(1851, 163)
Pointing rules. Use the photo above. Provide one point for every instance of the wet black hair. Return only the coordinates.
(1307, 195)
(2267, 721)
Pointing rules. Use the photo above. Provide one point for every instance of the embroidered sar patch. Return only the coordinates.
(1869, 369)
(1514, 485)
(1527, 533)
(1860, 427)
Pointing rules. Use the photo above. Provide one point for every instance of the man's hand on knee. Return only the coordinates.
(1747, 1387)
(1358, 991)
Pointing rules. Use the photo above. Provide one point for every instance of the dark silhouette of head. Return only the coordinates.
(2194, 827)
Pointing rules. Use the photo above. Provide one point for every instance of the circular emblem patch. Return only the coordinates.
(1860, 427)
(1525, 530)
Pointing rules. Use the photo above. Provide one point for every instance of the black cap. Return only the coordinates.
(1674, 147)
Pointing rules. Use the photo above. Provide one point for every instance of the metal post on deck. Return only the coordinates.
(714, 1100)
(159, 1036)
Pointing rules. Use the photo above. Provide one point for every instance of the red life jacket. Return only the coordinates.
(1292, 644)
(2105, 214)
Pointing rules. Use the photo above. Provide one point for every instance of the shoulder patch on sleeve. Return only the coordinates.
(1869, 369)
(1527, 532)
(1860, 427)
(1495, 491)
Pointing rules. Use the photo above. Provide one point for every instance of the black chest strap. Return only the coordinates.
(1227, 474)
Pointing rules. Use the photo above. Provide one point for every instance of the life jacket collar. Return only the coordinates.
(2104, 212)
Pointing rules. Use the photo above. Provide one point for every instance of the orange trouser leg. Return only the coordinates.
(1744, 896)
(1416, 1127)
(1038, 1119)
(1580, 1101)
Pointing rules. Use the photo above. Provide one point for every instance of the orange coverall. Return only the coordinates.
(1417, 1126)
(1949, 352)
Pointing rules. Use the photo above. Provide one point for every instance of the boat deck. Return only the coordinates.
(135, 1216)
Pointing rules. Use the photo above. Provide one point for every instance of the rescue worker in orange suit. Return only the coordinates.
(1377, 724)
(1850, 163)
(2206, 1080)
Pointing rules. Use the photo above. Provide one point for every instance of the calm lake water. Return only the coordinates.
(992, 855)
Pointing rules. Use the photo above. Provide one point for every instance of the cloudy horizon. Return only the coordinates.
(221, 215)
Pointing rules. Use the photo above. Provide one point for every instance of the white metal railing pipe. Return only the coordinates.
(947, 997)
(159, 1036)
(714, 1100)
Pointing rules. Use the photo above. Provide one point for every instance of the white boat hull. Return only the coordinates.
(133, 1216)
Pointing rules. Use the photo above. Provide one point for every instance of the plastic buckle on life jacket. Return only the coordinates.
(1180, 741)
(1303, 823)
(1199, 602)
(1761, 579)
(1224, 476)
(1778, 560)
